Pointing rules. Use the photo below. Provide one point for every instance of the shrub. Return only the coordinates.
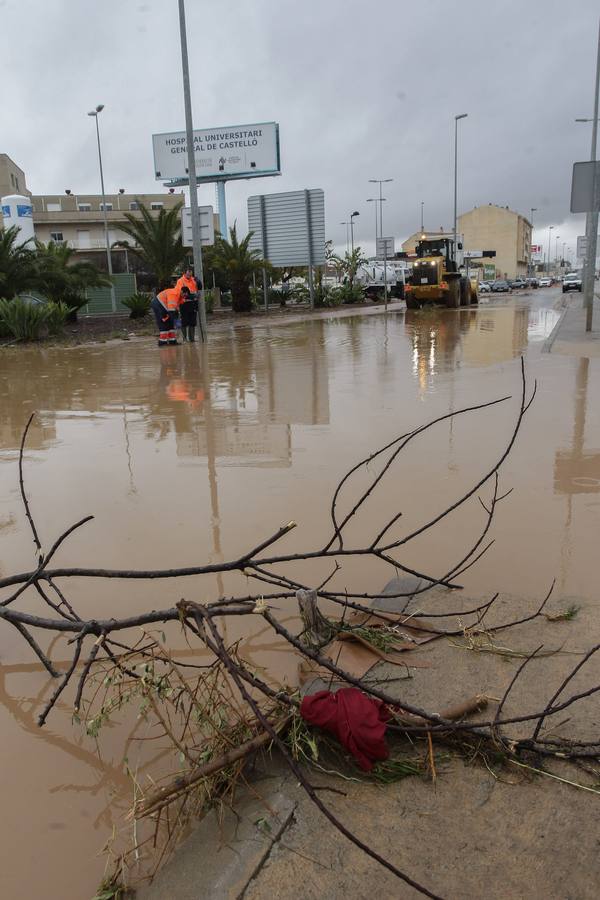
(25, 321)
(209, 301)
(138, 305)
(57, 315)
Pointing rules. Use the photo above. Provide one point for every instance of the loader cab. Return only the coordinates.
(442, 247)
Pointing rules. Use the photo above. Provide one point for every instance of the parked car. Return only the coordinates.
(571, 282)
(499, 286)
(518, 283)
(484, 287)
(533, 282)
(545, 282)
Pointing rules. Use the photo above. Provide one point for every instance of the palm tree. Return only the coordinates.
(157, 241)
(237, 263)
(61, 278)
(350, 264)
(18, 270)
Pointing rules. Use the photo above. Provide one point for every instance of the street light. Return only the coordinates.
(422, 219)
(591, 220)
(549, 237)
(556, 250)
(380, 181)
(532, 209)
(355, 213)
(113, 300)
(456, 120)
(347, 224)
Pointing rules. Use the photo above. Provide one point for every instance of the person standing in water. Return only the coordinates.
(164, 306)
(188, 308)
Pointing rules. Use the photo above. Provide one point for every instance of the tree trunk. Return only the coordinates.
(240, 297)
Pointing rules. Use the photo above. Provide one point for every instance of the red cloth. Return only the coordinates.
(357, 721)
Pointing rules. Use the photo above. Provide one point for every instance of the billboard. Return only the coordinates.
(207, 226)
(536, 250)
(586, 180)
(237, 151)
(288, 229)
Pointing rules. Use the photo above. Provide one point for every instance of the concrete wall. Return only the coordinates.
(12, 178)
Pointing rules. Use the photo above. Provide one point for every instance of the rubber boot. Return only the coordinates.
(184, 333)
(191, 333)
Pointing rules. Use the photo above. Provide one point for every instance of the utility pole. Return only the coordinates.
(422, 217)
(191, 166)
(456, 119)
(592, 217)
(113, 300)
(550, 227)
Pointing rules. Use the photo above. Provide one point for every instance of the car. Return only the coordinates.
(483, 287)
(501, 285)
(533, 283)
(545, 282)
(571, 282)
(31, 300)
(518, 283)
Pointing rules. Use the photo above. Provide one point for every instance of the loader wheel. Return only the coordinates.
(453, 298)
(411, 303)
(465, 292)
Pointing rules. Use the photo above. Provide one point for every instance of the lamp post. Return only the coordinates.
(591, 223)
(347, 224)
(380, 181)
(549, 237)
(562, 259)
(556, 251)
(375, 201)
(422, 219)
(531, 212)
(113, 300)
(456, 120)
(355, 213)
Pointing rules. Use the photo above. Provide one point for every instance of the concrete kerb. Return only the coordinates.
(547, 345)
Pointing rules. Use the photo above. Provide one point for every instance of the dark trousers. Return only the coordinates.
(165, 322)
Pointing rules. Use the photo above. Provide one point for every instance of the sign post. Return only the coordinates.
(385, 247)
(206, 226)
(191, 165)
(288, 229)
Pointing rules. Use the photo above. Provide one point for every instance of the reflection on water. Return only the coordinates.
(189, 453)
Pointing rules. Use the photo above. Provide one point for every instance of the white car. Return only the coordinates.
(545, 282)
(484, 288)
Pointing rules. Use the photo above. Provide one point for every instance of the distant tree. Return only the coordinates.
(156, 241)
(349, 264)
(236, 264)
(18, 269)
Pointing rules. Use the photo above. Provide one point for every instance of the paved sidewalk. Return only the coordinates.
(569, 335)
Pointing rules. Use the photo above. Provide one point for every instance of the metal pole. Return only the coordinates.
(385, 284)
(456, 118)
(222, 209)
(549, 239)
(113, 299)
(380, 209)
(422, 219)
(191, 166)
(592, 217)
(352, 232)
(311, 287)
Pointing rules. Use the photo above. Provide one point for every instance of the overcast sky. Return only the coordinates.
(361, 90)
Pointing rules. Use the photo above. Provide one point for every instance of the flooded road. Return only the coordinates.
(189, 455)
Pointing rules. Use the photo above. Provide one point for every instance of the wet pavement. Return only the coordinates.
(186, 455)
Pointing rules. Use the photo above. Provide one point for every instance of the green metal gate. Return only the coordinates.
(99, 299)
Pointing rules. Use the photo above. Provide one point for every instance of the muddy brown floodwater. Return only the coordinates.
(189, 454)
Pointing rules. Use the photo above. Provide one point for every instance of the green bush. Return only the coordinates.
(138, 305)
(57, 315)
(209, 301)
(24, 321)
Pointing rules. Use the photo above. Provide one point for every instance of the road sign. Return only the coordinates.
(536, 250)
(221, 154)
(384, 248)
(582, 243)
(288, 229)
(582, 187)
(207, 226)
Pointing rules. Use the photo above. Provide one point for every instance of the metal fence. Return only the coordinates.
(99, 299)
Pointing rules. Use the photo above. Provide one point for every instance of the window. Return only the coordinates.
(84, 207)
(17, 181)
(53, 207)
(106, 206)
(134, 205)
(156, 205)
(12, 178)
(57, 237)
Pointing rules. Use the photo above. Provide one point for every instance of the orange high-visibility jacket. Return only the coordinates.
(169, 298)
(188, 283)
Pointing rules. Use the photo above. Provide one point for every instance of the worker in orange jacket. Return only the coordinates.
(165, 305)
(188, 309)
